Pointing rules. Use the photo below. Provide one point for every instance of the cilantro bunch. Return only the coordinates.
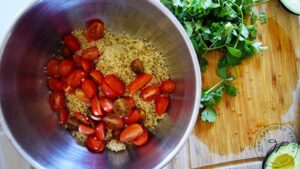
(219, 25)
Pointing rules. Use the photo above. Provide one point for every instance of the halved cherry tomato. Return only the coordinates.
(107, 91)
(77, 59)
(52, 67)
(91, 53)
(79, 94)
(89, 88)
(68, 89)
(86, 129)
(74, 79)
(72, 42)
(150, 93)
(82, 118)
(133, 117)
(115, 84)
(161, 104)
(121, 107)
(74, 122)
(95, 30)
(57, 101)
(113, 121)
(139, 82)
(63, 115)
(100, 131)
(130, 101)
(96, 108)
(97, 76)
(131, 133)
(95, 118)
(106, 104)
(86, 65)
(94, 145)
(56, 85)
(66, 52)
(167, 86)
(66, 67)
(141, 140)
(137, 66)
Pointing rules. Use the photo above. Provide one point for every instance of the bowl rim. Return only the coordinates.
(196, 66)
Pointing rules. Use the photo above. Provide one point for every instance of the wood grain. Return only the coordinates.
(267, 94)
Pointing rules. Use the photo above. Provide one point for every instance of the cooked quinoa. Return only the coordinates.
(117, 52)
(80, 138)
(115, 145)
(75, 105)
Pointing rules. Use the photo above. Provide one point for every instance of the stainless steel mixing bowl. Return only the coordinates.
(25, 113)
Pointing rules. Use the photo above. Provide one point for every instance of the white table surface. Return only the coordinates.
(9, 157)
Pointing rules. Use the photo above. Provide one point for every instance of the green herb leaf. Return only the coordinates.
(203, 64)
(189, 28)
(222, 72)
(234, 52)
(262, 17)
(230, 90)
(209, 115)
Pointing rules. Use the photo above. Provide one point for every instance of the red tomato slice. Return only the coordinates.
(57, 101)
(131, 133)
(52, 67)
(91, 53)
(82, 118)
(56, 85)
(81, 96)
(74, 79)
(130, 101)
(139, 82)
(86, 65)
(66, 52)
(72, 43)
(68, 89)
(96, 108)
(95, 30)
(100, 131)
(150, 93)
(161, 104)
(108, 92)
(63, 115)
(77, 59)
(97, 76)
(106, 104)
(89, 88)
(167, 86)
(66, 67)
(94, 117)
(94, 145)
(115, 84)
(113, 121)
(133, 117)
(86, 129)
(141, 140)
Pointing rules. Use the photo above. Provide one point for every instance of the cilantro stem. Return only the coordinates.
(258, 2)
(215, 86)
(242, 21)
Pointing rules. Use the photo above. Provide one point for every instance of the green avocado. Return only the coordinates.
(286, 157)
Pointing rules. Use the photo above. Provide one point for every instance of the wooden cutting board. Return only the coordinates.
(268, 98)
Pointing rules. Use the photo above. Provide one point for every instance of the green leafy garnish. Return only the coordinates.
(219, 25)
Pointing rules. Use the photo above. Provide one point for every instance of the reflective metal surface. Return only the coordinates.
(25, 114)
